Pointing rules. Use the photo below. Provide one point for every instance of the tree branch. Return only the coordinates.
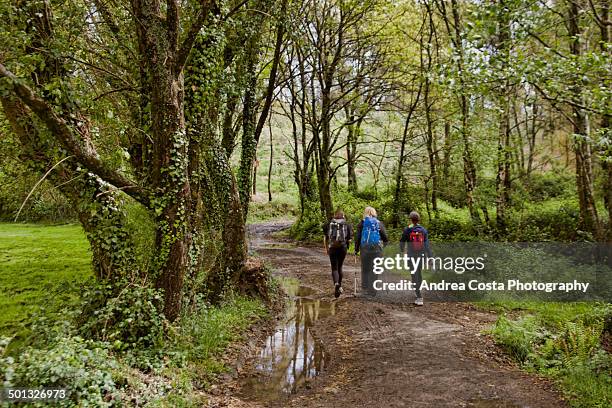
(62, 131)
(273, 71)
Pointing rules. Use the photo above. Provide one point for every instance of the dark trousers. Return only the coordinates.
(417, 278)
(367, 266)
(336, 258)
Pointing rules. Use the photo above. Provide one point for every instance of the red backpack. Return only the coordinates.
(417, 238)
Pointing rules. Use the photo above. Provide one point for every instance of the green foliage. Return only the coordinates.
(202, 335)
(544, 186)
(452, 190)
(555, 219)
(517, 338)
(84, 368)
(128, 317)
(309, 225)
(562, 340)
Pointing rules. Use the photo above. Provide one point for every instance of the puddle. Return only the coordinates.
(291, 355)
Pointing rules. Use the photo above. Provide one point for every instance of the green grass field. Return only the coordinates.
(43, 268)
(40, 269)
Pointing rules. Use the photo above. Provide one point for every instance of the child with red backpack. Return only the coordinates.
(415, 239)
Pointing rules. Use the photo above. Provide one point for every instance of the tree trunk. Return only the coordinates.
(351, 149)
(447, 151)
(323, 174)
(606, 120)
(589, 219)
(324, 151)
(170, 177)
(502, 180)
(431, 150)
(249, 144)
(271, 160)
(469, 169)
(401, 158)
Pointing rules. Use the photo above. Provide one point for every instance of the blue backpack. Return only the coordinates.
(370, 232)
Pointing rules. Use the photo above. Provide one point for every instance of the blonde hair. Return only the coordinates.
(369, 212)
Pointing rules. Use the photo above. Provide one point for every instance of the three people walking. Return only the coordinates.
(370, 239)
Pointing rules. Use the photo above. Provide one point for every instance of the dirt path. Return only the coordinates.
(382, 352)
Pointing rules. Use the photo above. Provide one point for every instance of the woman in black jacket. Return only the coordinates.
(337, 236)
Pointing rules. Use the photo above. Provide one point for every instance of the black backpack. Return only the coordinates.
(337, 233)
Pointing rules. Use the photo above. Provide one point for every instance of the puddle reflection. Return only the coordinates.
(291, 355)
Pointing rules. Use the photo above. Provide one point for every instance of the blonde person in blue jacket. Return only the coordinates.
(370, 238)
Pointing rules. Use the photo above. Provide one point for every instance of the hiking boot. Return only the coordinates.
(338, 290)
(341, 290)
(418, 302)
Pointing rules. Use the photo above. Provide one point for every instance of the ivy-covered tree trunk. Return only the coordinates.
(173, 238)
(162, 59)
(221, 208)
(249, 143)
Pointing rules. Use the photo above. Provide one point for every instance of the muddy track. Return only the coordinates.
(382, 352)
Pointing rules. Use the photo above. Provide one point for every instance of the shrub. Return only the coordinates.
(517, 338)
(309, 224)
(125, 315)
(452, 191)
(444, 228)
(84, 368)
(544, 186)
(552, 220)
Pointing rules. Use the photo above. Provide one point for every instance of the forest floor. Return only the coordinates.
(371, 352)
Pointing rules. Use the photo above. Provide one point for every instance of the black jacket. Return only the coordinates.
(349, 232)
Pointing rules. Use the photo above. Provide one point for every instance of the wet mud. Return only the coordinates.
(373, 352)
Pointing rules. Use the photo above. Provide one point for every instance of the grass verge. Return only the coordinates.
(562, 341)
(42, 271)
(41, 268)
